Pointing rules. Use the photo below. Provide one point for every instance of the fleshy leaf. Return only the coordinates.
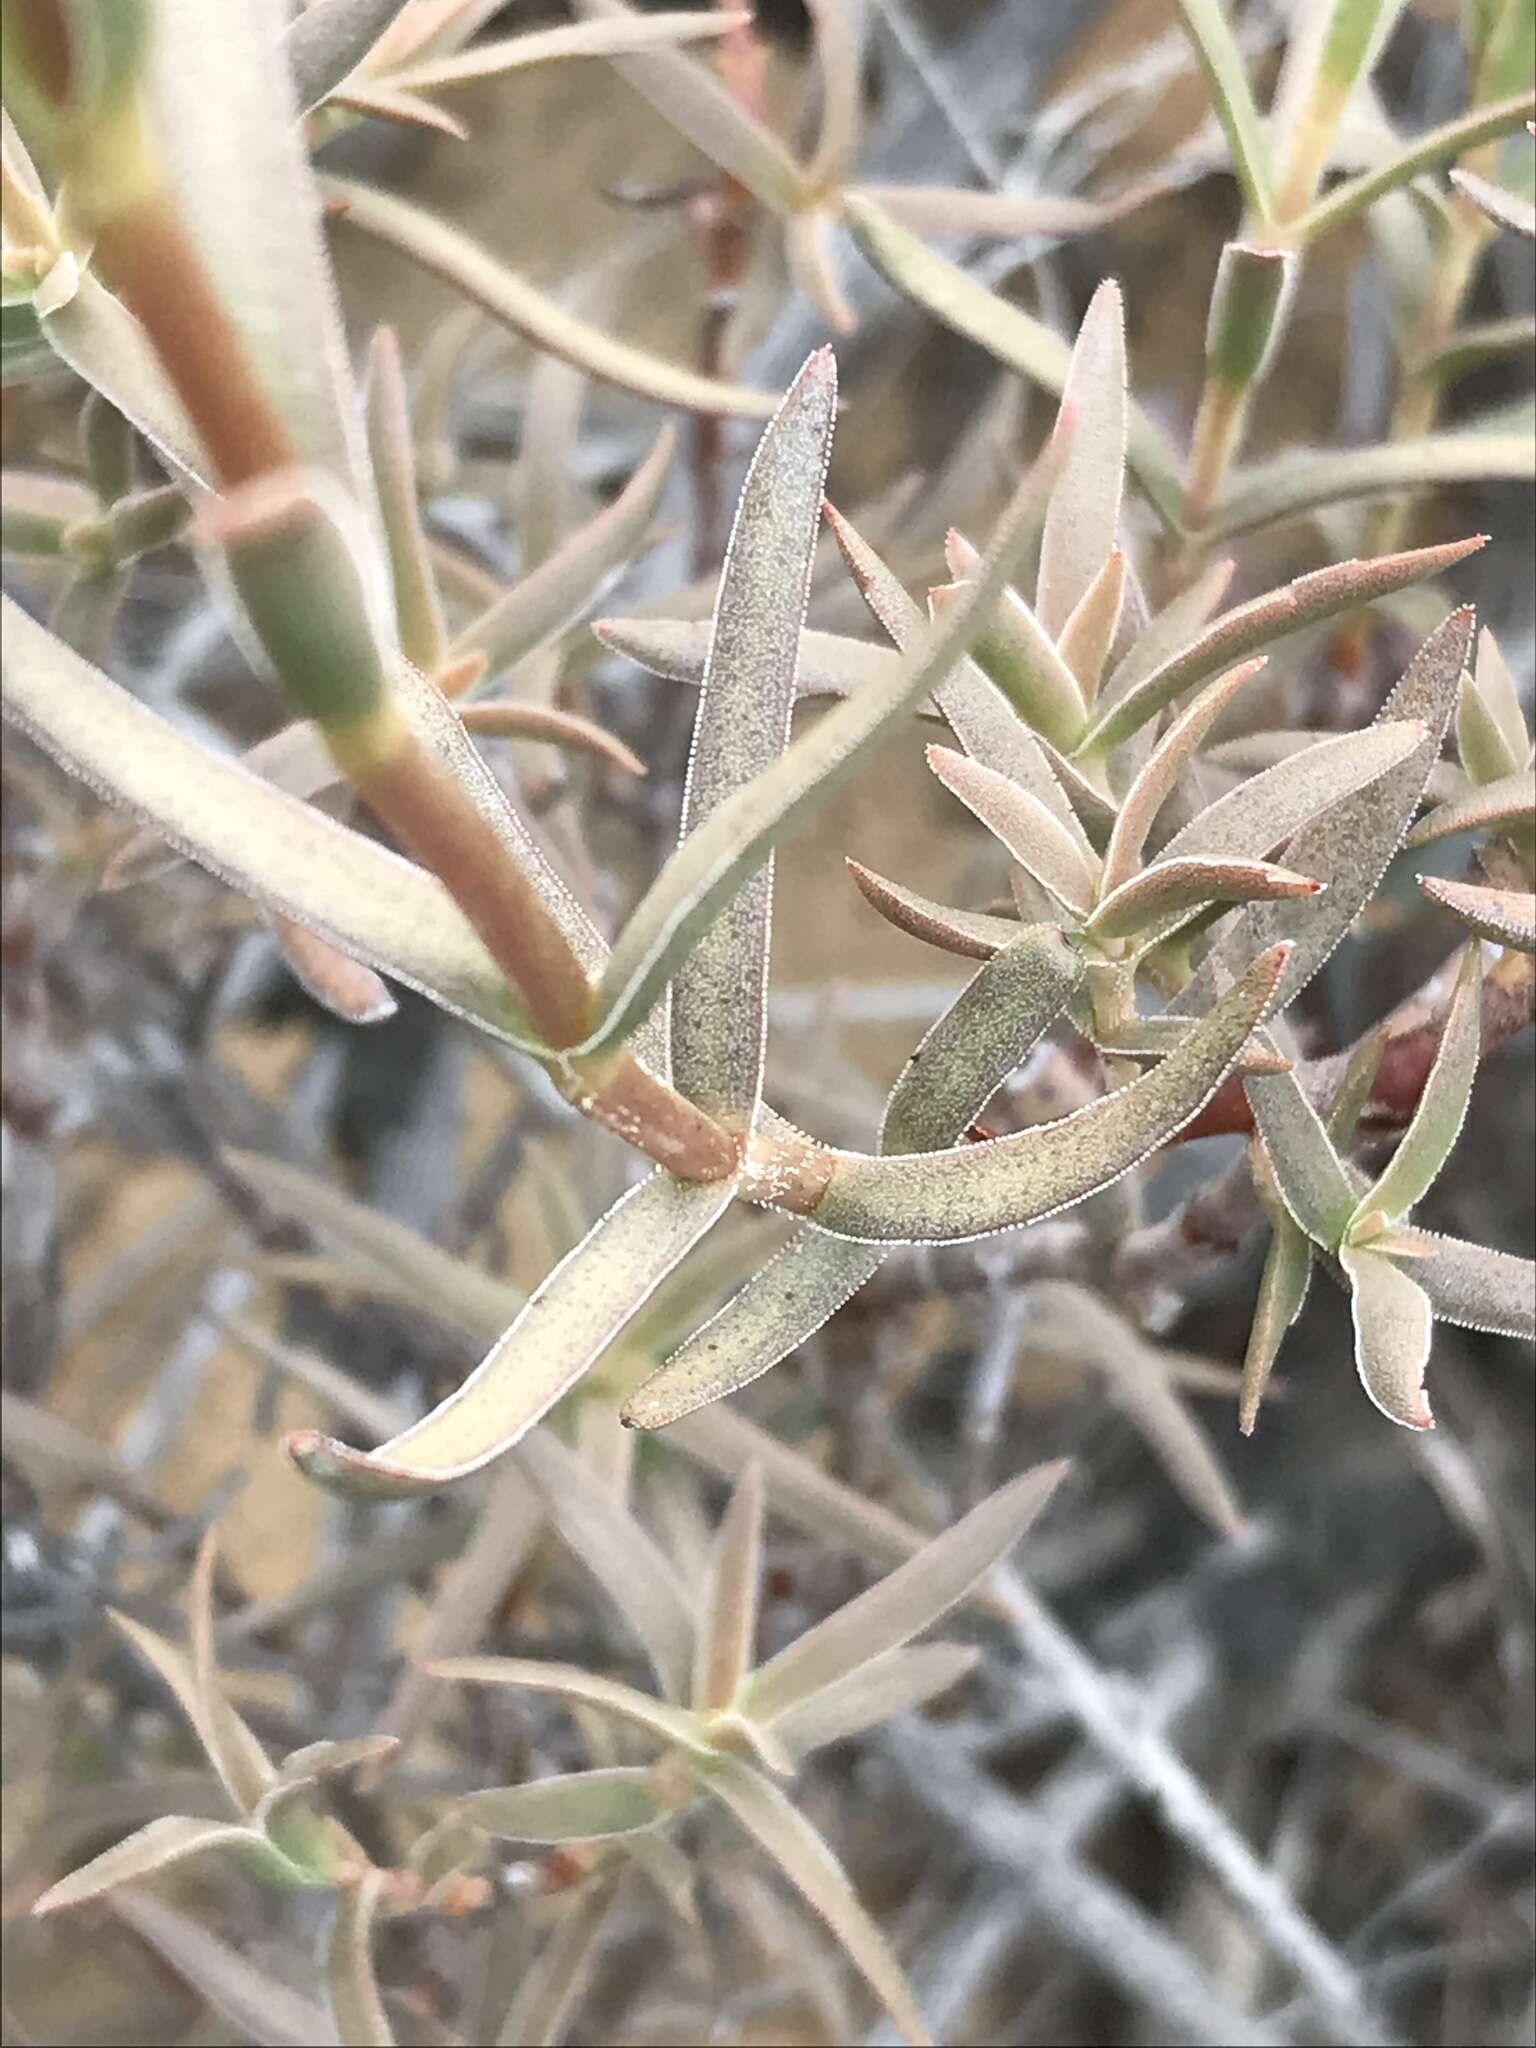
(1292, 484)
(719, 998)
(163, 1842)
(1022, 660)
(337, 982)
(552, 45)
(568, 1323)
(499, 719)
(1089, 633)
(587, 1688)
(1503, 915)
(1442, 1106)
(972, 934)
(716, 860)
(1232, 99)
(910, 1599)
(1083, 519)
(253, 2000)
(582, 1806)
(1172, 888)
(1282, 1290)
(786, 1836)
(361, 2020)
(635, 1574)
(418, 612)
(728, 1632)
(1474, 1287)
(1509, 801)
(448, 253)
(1393, 1327)
(945, 1196)
(1437, 146)
(103, 343)
(1243, 631)
(1481, 742)
(560, 589)
(325, 43)
(294, 860)
(987, 1031)
(1308, 1172)
(1004, 330)
(890, 1684)
(1167, 634)
(1028, 830)
(829, 665)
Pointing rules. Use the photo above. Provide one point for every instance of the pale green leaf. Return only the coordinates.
(1492, 806)
(1503, 915)
(786, 1836)
(913, 1597)
(1480, 342)
(633, 1571)
(1155, 780)
(1024, 662)
(1155, 1037)
(890, 1684)
(418, 612)
(719, 998)
(153, 1848)
(830, 664)
(702, 108)
(1349, 846)
(1282, 1290)
(976, 1189)
(235, 1753)
(325, 1759)
(552, 45)
(587, 1688)
(1332, 47)
(1496, 687)
(1206, 24)
(448, 253)
(254, 2001)
(361, 2019)
(1031, 833)
(1168, 890)
(1481, 742)
(1425, 153)
(973, 934)
(952, 210)
(566, 1326)
(728, 1631)
(499, 719)
(1474, 1287)
(1289, 485)
(1442, 1105)
(1083, 519)
(1324, 594)
(1393, 1326)
(1090, 632)
(1166, 635)
(583, 1806)
(840, 27)
(537, 2015)
(1004, 330)
(103, 343)
(231, 1748)
(714, 862)
(988, 1030)
(1308, 1172)
(556, 594)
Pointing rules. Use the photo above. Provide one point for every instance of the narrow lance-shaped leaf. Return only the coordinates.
(1350, 845)
(1308, 1172)
(719, 998)
(1509, 801)
(1025, 664)
(1282, 1290)
(985, 723)
(1472, 1286)
(1503, 915)
(1504, 209)
(1481, 741)
(541, 2008)
(571, 1319)
(715, 861)
(1083, 519)
(829, 665)
(1167, 634)
(1089, 633)
(586, 1688)
(583, 1806)
(1168, 890)
(1004, 330)
(1232, 99)
(887, 1685)
(1442, 1106)
(325, 43)
(1290, 485)
(1323, 594)
(1327, 55)
(500, 720)
(102, 342)
(286, 855)
(155, 1847)
(451, 255)
(1496, 687)
(361, 2019)
(972, 934)
(1161, 770)
(785, 1835)
(237, 1756)
(1393, 1328)
(909, 1600)
(418, 613)
(1028, 830)
(337, 982)
(231, 1747)
(1440, 145)
(946, 1196)
(990, 1027)
(728, 1632)
(251, 1999)
(635, 1574)
(557, 593)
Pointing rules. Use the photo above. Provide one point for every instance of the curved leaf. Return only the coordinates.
(889, 1684)
(1308, 1172)
(1473, 1287)
(971, 933)
(155, 1847)
(1082, 520)
(1232, 99)
(587, 1688)
(554, 45)
(1393, 1327)
(361, 2020)
(582, 1806)
(1440, 145)
(1029, 831)
(1291, 485)
(1156, 777)
(1442, 1106)
(1171, 889)
(1509, 801)
(1503, 915)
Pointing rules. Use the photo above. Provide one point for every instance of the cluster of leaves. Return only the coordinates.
(1167, 938)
